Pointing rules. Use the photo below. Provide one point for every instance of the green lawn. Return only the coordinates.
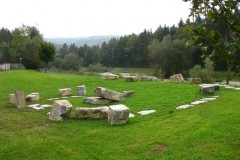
(207, 131)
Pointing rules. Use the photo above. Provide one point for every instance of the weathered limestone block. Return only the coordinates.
(20, 99)
(177, 78)
(61, 110)
(154, 78)
(81, 90)
(216, 87)
(104, 74)
(131, 78)
(128, 93)
(32, 97)
(108, 94)
(124, 74)
(146, 78)
(118, 114)
(196, 80)
(207, 88)
(12, 98)
(111, 76)
(65, 92)
(92, 113)
(96, 100)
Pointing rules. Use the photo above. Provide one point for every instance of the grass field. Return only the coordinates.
(208, 131)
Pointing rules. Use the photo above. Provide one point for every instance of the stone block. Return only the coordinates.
(131, 78)
(61, 110)
(108, 94)
(20, 99)
(81, 90)
(32, 97)
(177, 78)
(128, 93)
(207, 88)
(12, 98)
(111, 76)
(92, 113)
(96, 100)
(118, 114)
(65, 92)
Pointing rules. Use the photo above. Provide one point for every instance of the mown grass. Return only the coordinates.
(207, 131)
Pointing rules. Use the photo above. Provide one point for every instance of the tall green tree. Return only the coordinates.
(219, 34)
(47, 53)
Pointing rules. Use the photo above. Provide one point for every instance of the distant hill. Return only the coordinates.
(80, 41)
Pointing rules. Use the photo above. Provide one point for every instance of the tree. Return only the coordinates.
(170, 55)
(219, 34)
(71, 62)
(47, 53)
(63, 50)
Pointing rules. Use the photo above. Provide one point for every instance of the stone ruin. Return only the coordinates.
(92, 113)
(20, 99)
(81, 90)
(61, 110)
(177, 78)
(109, 94)
(118, 114)
(65, 92)
(209, 88)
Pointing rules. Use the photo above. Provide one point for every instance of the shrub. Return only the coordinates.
(205, 73)
(97, 68)
(117, 71)
(196, 72)
(159, 73)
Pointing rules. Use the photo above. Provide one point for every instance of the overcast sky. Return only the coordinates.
(84, 18)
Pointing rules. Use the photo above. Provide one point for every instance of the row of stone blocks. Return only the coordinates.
(116, 114)
(20, 100)
(81, 91)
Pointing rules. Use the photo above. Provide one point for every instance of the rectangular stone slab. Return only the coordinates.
(118, 114)
(92, 113)
(95, 100)
(108, 94)
(20, 99)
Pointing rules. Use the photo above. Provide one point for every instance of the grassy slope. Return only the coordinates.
(207, 131)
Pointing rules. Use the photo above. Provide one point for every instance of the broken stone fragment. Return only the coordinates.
(81, 90)
(65, 92)
(131, 78)
(128, 93)
(96, 100)
(118, 114)
(32, 97)
(20, 99)
(207, 88)
(177, 78)
(111, 76)
(108, 94)
(61, 110)
(92, 113)
(12, 98)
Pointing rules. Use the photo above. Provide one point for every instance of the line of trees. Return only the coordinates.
(213, 32)
(163, 49)
(25, 43)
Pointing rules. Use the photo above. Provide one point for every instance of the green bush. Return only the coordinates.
(97, 68)
(205, 73)
(196, 72)
(159, 73)
(117, 71)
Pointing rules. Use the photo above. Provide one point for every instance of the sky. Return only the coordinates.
(85, 18)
